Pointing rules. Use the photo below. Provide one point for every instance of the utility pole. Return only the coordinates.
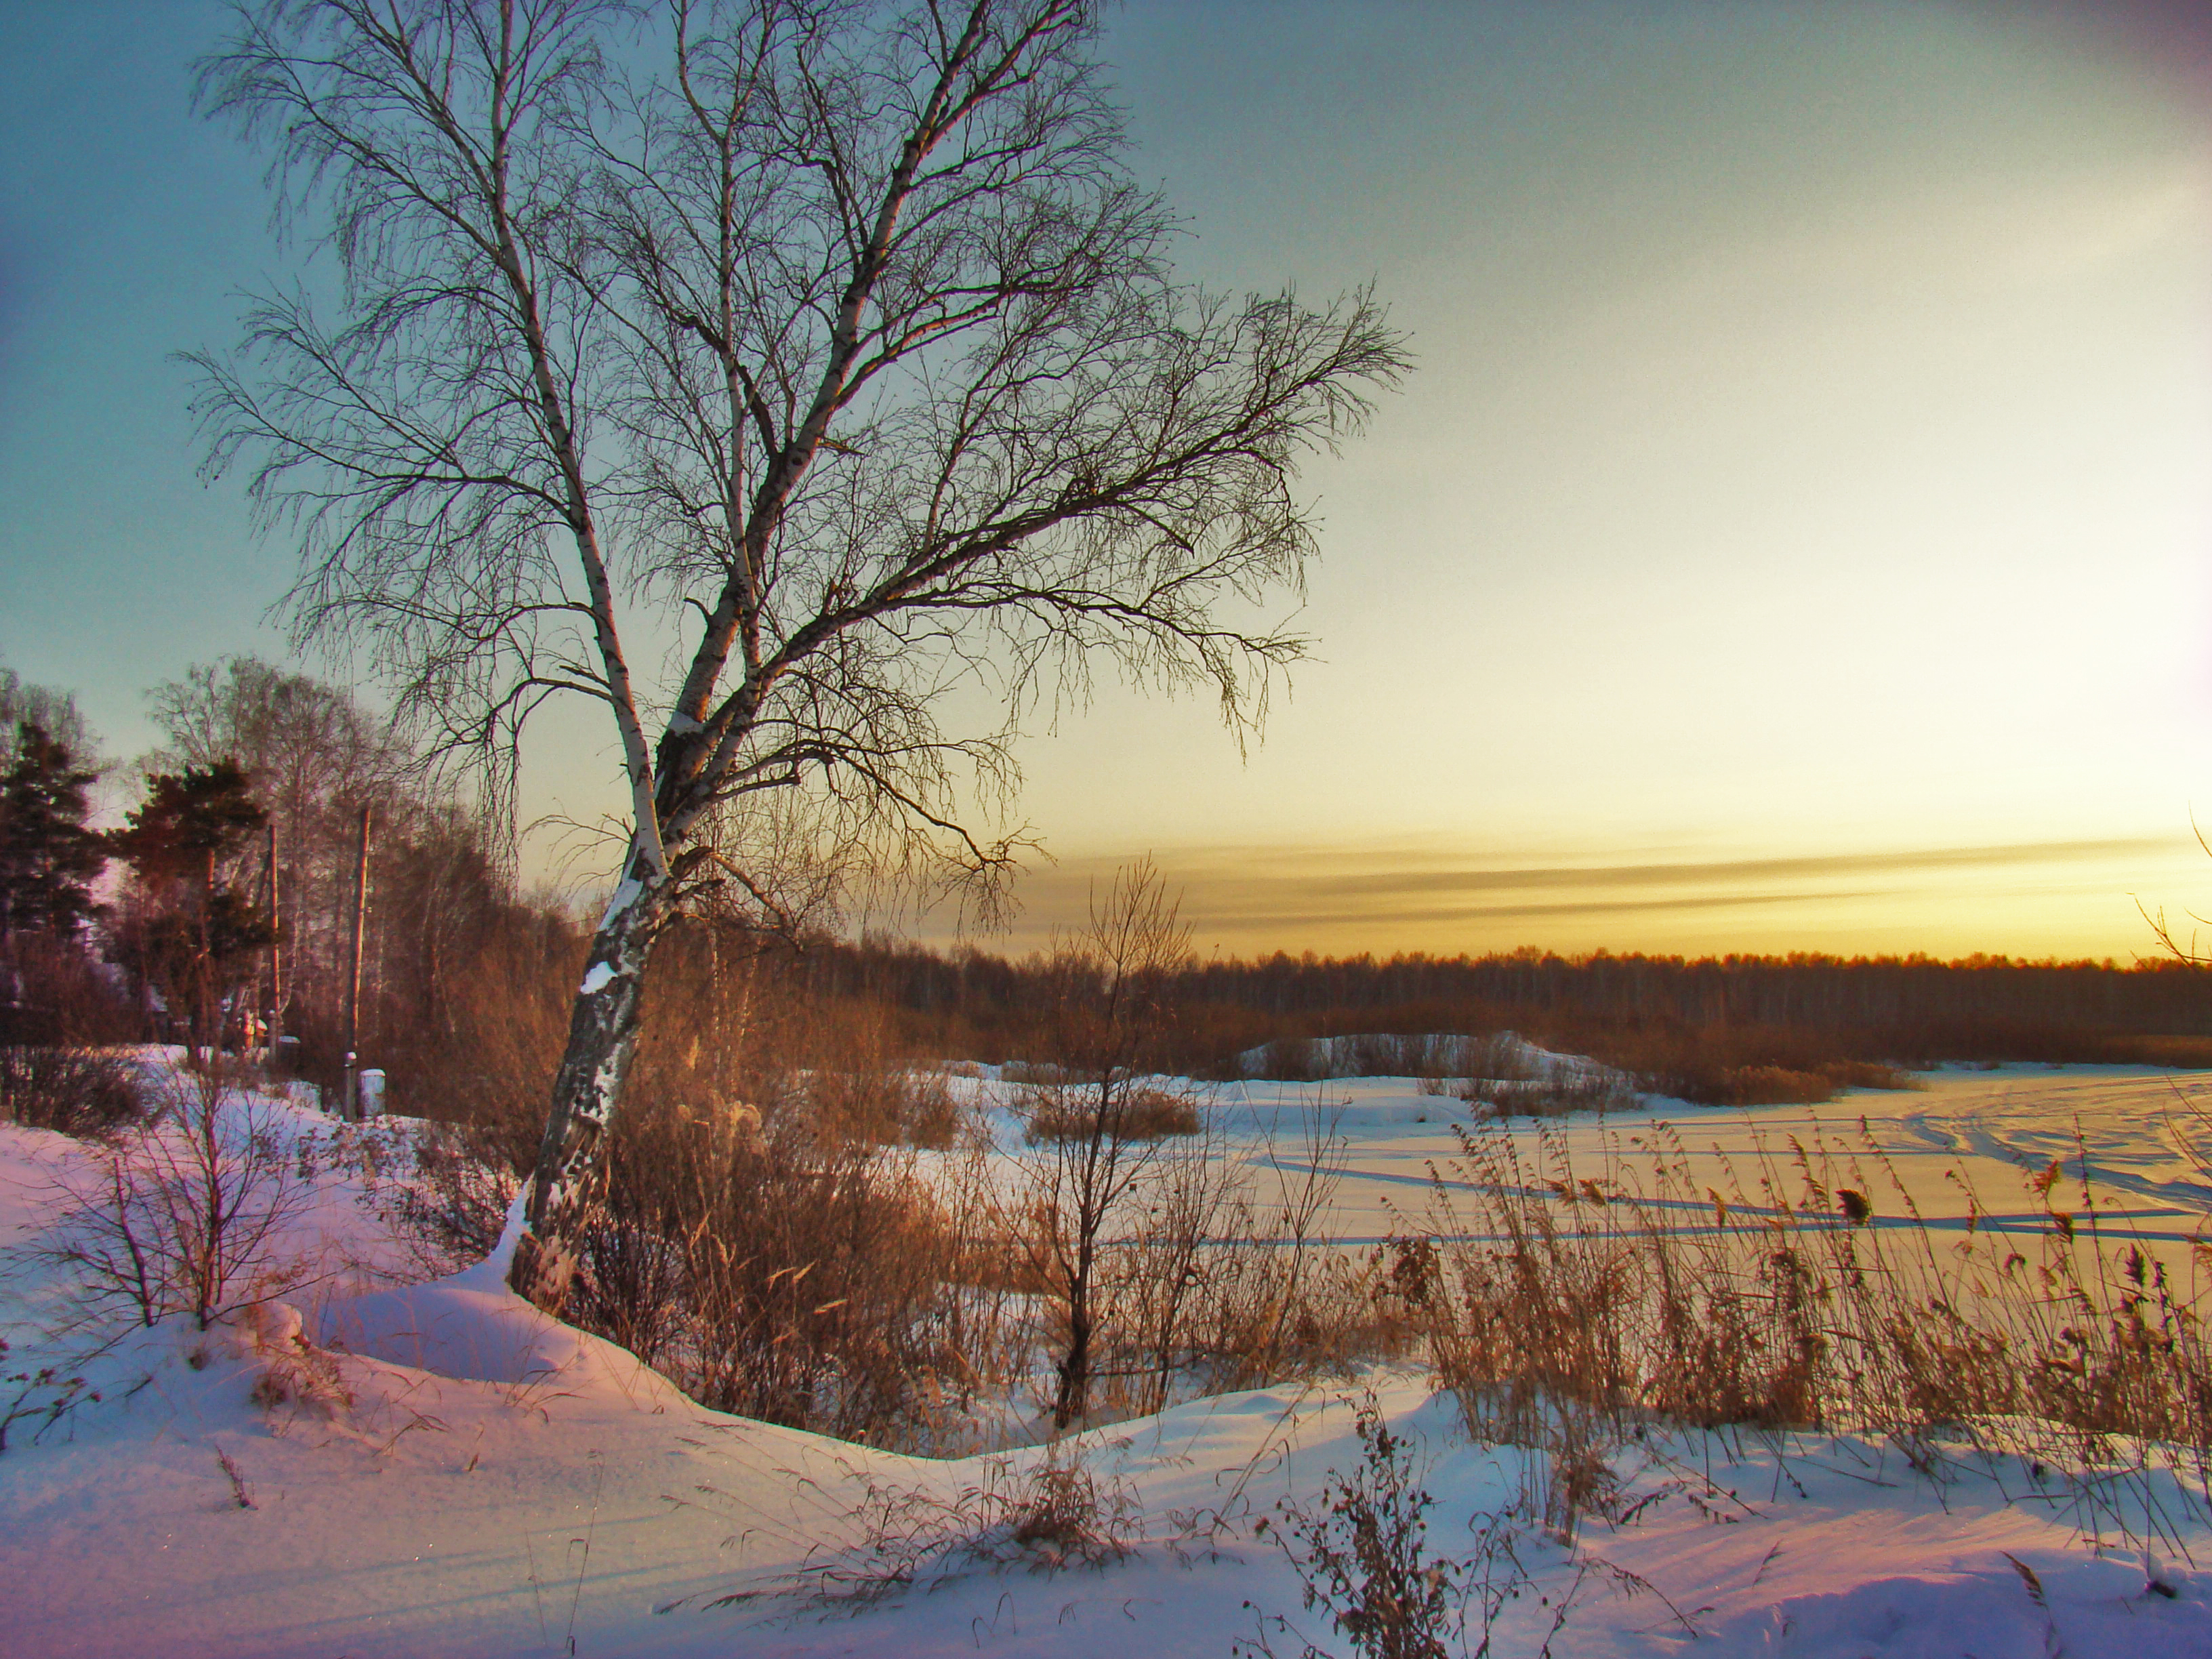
(272, 1010)
(349, 1106)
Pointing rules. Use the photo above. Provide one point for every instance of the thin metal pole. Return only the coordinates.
(272, 1012)
(349, 1106)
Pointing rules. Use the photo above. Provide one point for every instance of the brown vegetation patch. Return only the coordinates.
(1133, 1115)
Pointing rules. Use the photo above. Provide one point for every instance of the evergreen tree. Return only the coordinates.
(190, 822)
(48, 858)
(192, 934)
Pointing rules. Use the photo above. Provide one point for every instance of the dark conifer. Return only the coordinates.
(189, 822)
(48, 858)
(195, 934)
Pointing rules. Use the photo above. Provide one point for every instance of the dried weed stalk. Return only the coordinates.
(1055, 1516)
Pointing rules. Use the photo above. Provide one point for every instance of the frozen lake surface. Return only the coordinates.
(2144, 1135)
(1965, 1143)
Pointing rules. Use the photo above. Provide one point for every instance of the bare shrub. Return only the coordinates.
(1774, 1085)
(1144, 1114)
(1362, 1559)
(185, 1214)
(1095, 1135)
(1198, 1282)
(1207, 1277)
(1753, 1066)
(79, 1092)
(1562, 1094)
(454, 1210)
(1868, 1074)
(1506, 1074)
(1366, 1561)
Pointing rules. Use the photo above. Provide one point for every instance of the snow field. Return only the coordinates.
(438, 1469)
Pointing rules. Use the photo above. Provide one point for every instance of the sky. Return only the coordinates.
(1795, 535)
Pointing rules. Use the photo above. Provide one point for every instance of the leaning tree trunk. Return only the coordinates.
(602, 1039)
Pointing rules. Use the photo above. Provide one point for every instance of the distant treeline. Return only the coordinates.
(1761, 1010)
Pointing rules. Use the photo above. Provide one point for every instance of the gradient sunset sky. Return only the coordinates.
(1797, 533)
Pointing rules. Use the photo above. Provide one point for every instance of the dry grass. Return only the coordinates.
(1568, 1305)
(1054, 1515)
(903, 1298)
(798, 1281)
(1141, 1113)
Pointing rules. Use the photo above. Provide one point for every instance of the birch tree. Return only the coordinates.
(840, 349)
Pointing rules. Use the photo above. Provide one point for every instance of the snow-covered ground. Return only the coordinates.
(446, 1472)
(2146, 1135)
(2150, 1155)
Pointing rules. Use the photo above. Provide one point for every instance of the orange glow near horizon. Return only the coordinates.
(2069, 900)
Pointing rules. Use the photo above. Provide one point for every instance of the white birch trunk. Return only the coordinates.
(602, 1039)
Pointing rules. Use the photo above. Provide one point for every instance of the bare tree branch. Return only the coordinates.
(846, 341)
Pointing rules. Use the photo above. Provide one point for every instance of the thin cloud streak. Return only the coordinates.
(1435, 897)
(1735, 870)
(1249, 922)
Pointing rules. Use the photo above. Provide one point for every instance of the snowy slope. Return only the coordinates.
(457, 1474)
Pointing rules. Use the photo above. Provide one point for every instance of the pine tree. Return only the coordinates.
(48, 858)
(193, 933)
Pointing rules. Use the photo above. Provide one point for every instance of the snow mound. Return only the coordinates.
(2098, 1607)
(471, 1327)
(465, 1332)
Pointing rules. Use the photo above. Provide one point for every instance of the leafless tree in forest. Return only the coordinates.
(315, 757)
(438, 895)
(53, 712)
(839, 365)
